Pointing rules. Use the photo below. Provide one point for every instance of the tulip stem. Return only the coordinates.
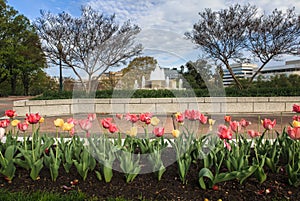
(32, 142)
(293, 155)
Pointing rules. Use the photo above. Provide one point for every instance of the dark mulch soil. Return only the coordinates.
(146, 186)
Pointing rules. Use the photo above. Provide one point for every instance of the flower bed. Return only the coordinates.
(188, 165)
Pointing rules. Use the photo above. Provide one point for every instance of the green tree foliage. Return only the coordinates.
(20, 51)
(136, 69)
(41, 82)
(278, 81)
(197, 74)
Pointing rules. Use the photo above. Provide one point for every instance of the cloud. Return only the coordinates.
(164, 22)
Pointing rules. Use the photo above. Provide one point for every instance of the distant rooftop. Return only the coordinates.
(289, 65)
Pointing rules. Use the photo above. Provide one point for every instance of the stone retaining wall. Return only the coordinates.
(210, 105)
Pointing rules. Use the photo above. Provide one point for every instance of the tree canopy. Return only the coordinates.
(231, 34)
(136, 69)
(89, 44)
(20, 49)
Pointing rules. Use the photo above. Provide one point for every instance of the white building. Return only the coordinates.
(290, 67)
(241, 71)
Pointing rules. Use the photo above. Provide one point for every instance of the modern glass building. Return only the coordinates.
(246, 70)
(241, 70)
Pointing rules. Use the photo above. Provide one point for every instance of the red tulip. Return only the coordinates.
(294, 133)
(268, 124)
(10, 113)
(159, 131)
(112, 128)
(224, 132)
(33, 118)
(4, 123)
(179, 117)
(215, 187)
(253, 133)
(146, 117)
(296, 108)
(227, 118)
(106, 122)
(47, 151)
(23, 126)
(202, 119)
(235, 126)
(296, 118)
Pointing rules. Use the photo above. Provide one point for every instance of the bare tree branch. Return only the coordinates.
(91, 43)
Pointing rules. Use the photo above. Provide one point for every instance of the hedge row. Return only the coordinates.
(229, 92)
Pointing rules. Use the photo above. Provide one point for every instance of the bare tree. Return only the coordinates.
(221, 34)
(271, 36)
(89, 44)
(230, 34)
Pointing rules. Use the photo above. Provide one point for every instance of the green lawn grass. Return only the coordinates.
(47, 196)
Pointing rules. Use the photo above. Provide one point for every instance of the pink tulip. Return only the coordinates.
(119, 116)
(244, 123)
(85, 125)
(296, 108)
(235, 126)
(202, 119)
(92, 117)
(72, 132)
(227, 145)
(192, 114)
(131, 117)
(294, 133)
(224, 132)
(159, 131)
(72, 121)
(253, 133)
(23, 126)
(268, 124)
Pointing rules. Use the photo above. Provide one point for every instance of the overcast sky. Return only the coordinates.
(163, 22)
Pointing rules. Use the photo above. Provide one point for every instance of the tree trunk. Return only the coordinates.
(256, 73)
(13, 81)
(25, 80)
(237, 82)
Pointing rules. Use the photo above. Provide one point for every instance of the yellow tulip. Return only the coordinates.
(42, 120)
(154, 121)
(175, 133)
(15, 122)
(67, 126)
(211, 122)
(132, 132)
(296, 123)
(177, 114)
(59, 122)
